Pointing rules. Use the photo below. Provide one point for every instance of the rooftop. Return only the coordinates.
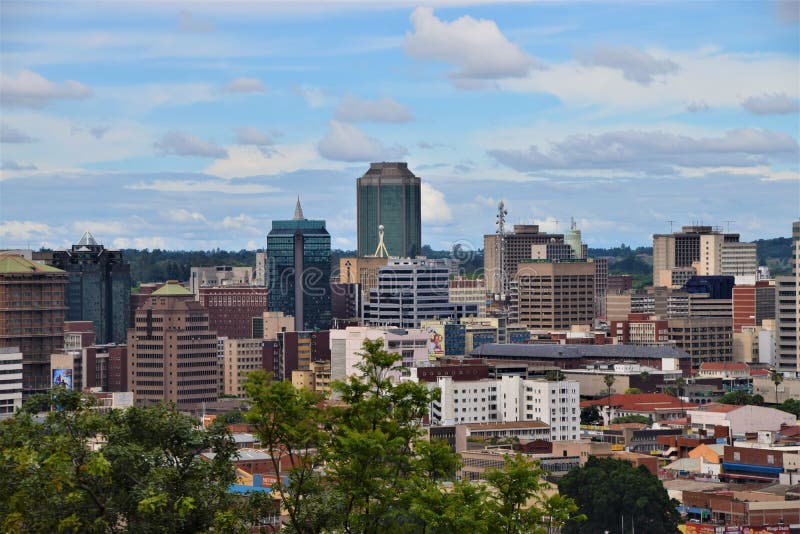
(617, 352)
(172, 289)
(724, 366)
(641, 402)
(507, 425)
(16, 264)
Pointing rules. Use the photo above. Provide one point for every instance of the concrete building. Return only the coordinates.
(11, 384)
(659, 407)
(240, 356)
(388, 195)
(787, 316)
(517, 430)
(469, 291)
(619, 283)
(299, 270)
(699, 248)
(260, 271)
(706, 339)
(317, 378)
(555, 295)
(295, 351)
(98, 288)
(738, 259)
(752, 304)
(32, 316)
(172, 350)
(509, 399)
(220, 275)
(271, 323)
(641, 329)
(517, 248)
(411, 290)
(740, 420)
(347, 345)
(361, 270)
(231, 309)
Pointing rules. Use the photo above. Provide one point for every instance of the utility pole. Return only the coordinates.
(670, 225)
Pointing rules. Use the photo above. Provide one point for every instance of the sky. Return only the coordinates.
(193, 125)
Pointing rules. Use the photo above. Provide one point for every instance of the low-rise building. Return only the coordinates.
(656, 406)
(740, 420)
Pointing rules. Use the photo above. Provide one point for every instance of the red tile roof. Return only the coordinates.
(759, 372)
(718, 408)
(641, 402)
(724, 366)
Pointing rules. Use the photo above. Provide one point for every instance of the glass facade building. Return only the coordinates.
(299, 271)
(389, 194)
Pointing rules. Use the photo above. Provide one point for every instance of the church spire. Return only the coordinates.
(298, 211)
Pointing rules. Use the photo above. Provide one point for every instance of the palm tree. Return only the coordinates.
(680, 383)
(644, 376)
(609, 380)
(776, 378)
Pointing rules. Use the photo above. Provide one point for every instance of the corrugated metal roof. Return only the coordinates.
(518, 350)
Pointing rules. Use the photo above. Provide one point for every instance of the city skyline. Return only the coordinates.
(193, 126)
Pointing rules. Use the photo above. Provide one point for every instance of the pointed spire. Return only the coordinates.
(298, 211)
(87, 240)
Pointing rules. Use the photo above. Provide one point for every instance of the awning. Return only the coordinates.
(750, 468)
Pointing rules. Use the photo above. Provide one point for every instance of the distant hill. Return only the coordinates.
(776, 253)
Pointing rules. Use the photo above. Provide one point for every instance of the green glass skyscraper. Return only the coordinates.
(299, 271)
(389, 194)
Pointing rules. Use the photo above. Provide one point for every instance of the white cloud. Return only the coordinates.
(12, 135)
(182, 215)
(245, 85)
(184, 144)
(476, 47)
(238, 222)
(104, 229)
(188, 23)
(15, 232)
(345, 142)
(29, 89)
(434, 207)
(151, 242)
(698, 106)
(653, 151)
(314, 96)
(202, 186)
(248, 135)
(771, 104)
(635, 65)
(252, 161)
(353, 109)
(344, 243)
(11, 165)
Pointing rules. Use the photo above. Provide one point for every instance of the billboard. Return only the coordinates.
(435, 342)
(62, 377)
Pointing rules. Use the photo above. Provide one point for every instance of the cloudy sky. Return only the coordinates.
(193, 125)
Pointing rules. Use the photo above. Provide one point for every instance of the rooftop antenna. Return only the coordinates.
(557, 221)
(381, 251)
(500, 246)
(728, 223)
(670, 225)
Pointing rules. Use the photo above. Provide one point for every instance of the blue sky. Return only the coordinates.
(193, 125)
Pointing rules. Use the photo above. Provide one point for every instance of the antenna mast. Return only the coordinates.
(500, 249)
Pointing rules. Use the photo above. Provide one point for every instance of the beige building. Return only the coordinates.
(469, 291)
(555, 295)
(172, 353)
(240, 356)
(706, 339)
(361, 270)
(276, 321)
(704, 249)
(316, 378)
(517, 248)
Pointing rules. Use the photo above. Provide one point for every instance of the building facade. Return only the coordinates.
(299, 271)
(388, 195)
(221, 275)
(11, 382)
(240, 356)
(556, 295)
(699, 250)
(752, 304)
(172, 351)
(32, 316)
(231, 309)
(98, 289)
(787, 316)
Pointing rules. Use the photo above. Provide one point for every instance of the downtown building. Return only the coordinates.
(299, 271)
(172, 351)
(411, 290)
(388, 195)
(555, 295)
(98, 289)
(231, 309)
(787, 311)
(32, 316)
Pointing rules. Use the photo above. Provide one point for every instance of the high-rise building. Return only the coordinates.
(555, 295)
(172, 352)
(220, 275)
(704, 249)
(388, 195)
(32, 316)
(518, 247)
(294, 351)
(752, 304)
(231, 309)
(299, 270)
(11, 384)
(411, 290)
(787, 306)
(240, 356)
(99, 287)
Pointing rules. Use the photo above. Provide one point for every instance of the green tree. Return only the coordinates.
(609, 381)
(776, 377)
(137, 470)
(632, 391)
(590, 415)
(609, 491)
(633, 419)
(741, 398)
(791, 406)
(554, 375)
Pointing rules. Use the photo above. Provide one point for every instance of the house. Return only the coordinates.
(724, 370)
(656, 406)
(740, 420)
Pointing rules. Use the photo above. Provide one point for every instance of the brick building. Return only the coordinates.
(231, 309)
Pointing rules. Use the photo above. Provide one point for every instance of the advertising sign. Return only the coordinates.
(62, 377)
(435, 342)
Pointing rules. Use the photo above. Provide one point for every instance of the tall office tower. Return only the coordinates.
(787, 306)
(706, 250)
(555, 295)
(32, 316)
(172, 353)
(240, 356)
(752, 304)
(389, 194)
(231, 308)
(411, 290)
(299, 271)
(99, 287)
(518, 247)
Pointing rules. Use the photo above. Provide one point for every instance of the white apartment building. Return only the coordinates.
(348, 344)
(507, 399)
(10, 381)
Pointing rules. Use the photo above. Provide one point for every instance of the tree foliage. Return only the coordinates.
(633, 418)
(607, 490)
(741, 398)
(136, 470)
(364, 465)
(590, 415)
